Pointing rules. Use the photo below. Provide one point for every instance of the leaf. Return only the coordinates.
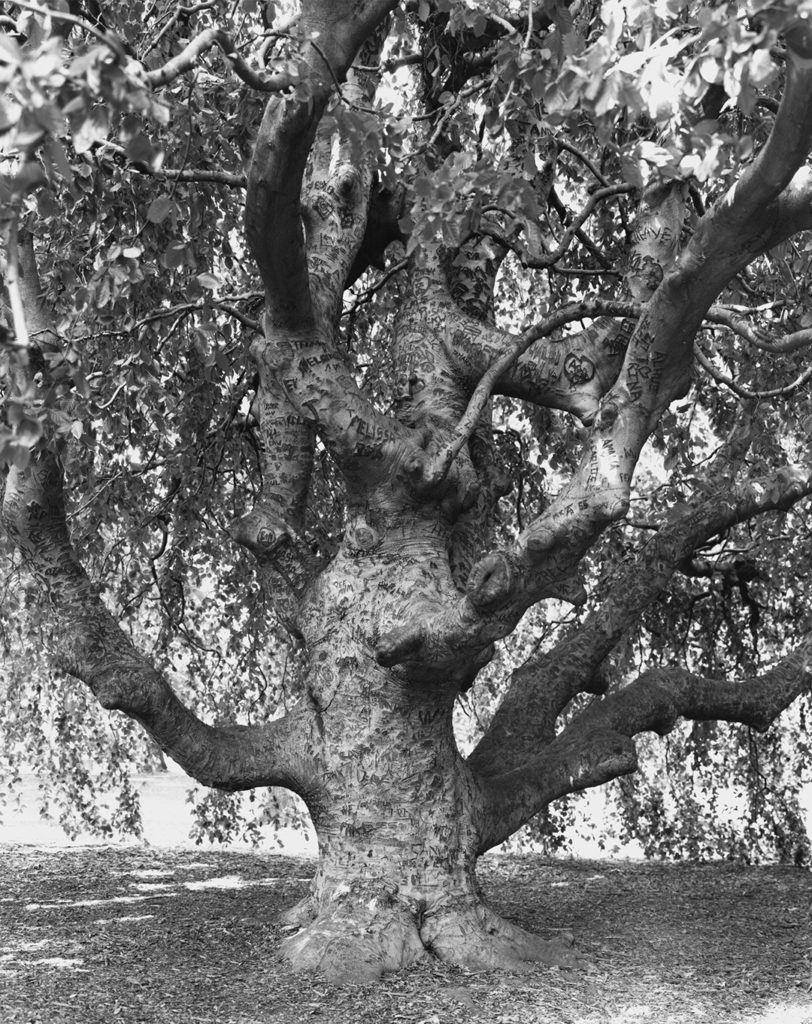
(89, 130)
(761, 68)
(159, 209)
(175, 255)
(208, 281)
(47, 205)
(80, 381)
(10, 51)
(7, 118)
(710, 69)
(141, 151)
(28, 431)
(632, 171)
(30, 177)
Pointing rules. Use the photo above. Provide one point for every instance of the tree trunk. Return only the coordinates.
(395, 805)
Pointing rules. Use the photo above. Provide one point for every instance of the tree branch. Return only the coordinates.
(656, 370)
(194, 174)
(306, 383)
(786, 147)
(93, 647)
(526, 718)
(540, 262)
(211, 37)
(173, 19)
(748, 393)
(337, 193)
(734, 321)
(544, 560)
(571, 373)
(598, 745)
(495, 372)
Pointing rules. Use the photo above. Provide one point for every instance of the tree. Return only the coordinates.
(491, 241)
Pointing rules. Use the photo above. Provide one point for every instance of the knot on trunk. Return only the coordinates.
(491, 581)
(262, 532)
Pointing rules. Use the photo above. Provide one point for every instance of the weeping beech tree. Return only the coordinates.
(292, 279)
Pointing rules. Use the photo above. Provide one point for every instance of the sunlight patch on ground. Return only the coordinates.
(127, 919)
(235, 882)
(223, 882)
(631, 1015)
(96, 903)
(60, 962)
(24, 947)
(158, 890)
(639, 1013)
(19, 956)
(785, 1013)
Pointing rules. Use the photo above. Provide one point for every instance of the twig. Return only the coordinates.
(367, 294)
(788, 343)
(737, 389)
(598, 196)
(482, 392)
(187, 59)
(183, 174)
(568, 146)
(393, 64)
(337, 84)
(109, 40)
(583, 238)
(253, 325)
(542, 262)
(207, 6)
(584, 272)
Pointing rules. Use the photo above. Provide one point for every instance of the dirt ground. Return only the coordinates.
(157, 936)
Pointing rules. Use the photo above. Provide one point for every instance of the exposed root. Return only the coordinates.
(476, 938)
(356, 941)
(358, 937)
(300, 914)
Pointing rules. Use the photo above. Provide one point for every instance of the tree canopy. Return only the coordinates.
(365, 359)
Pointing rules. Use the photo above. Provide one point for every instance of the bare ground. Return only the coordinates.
(189, 937)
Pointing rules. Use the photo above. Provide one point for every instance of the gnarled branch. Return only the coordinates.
(542, 687)
(598, 745)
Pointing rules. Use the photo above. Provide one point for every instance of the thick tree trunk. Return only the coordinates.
(395, 804)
